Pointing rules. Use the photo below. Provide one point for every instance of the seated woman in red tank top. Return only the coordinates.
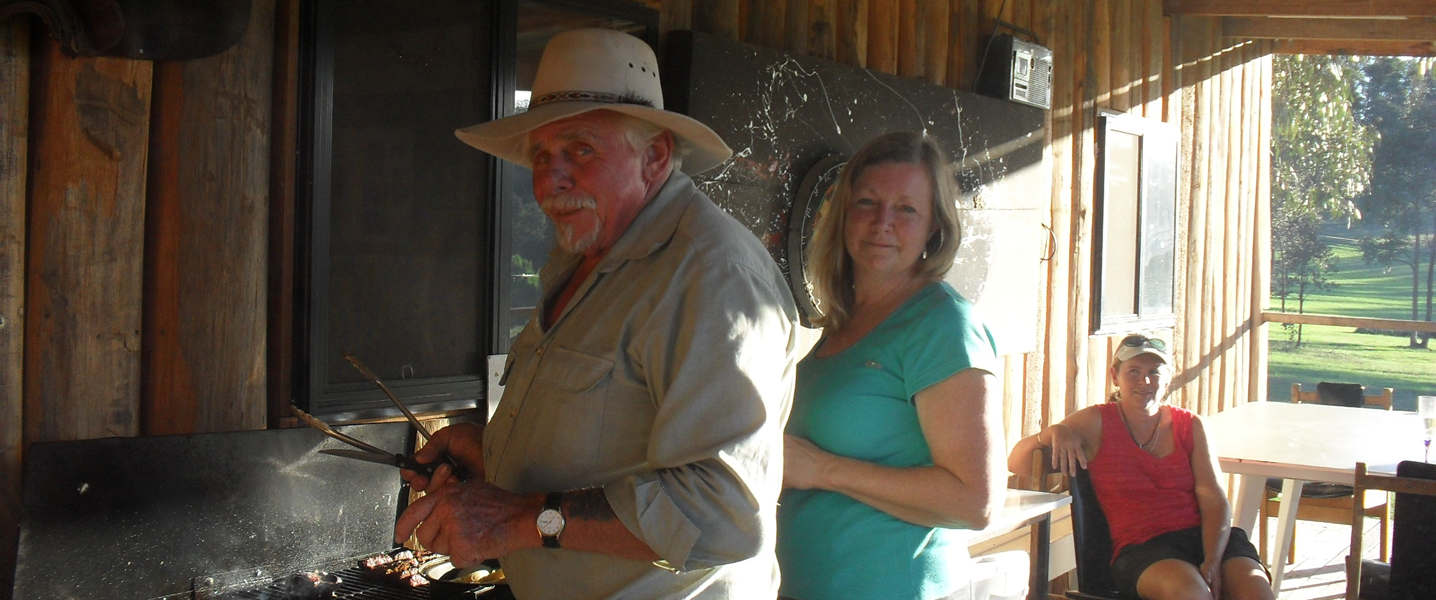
(1156, 480)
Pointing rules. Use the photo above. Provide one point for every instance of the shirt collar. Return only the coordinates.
(654, 225)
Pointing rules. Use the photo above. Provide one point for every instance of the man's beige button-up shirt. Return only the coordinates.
(666, 381)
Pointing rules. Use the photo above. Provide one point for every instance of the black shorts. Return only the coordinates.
(1183, 544)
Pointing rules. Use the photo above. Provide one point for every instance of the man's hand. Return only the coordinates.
(471, 521)
(464, 442)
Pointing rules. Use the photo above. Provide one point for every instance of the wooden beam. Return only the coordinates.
(1329, 29)
(851, 23)
(718, 17)
(206, 269)
(89, 137)
(1343, 321)
(1301, 8)
(14, 140)
(1355, 47)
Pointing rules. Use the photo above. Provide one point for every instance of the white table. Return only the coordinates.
(1300, 443)
(1022, 508)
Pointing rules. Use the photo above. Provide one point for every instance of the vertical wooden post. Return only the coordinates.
(910, 39)
(718, 17)
(279, 337)
(206, 269)
(1261, 255)
(851, 45)
(795, 28)
(14, 139)
(883, 36)
(823, 21)
(935, 15)
(89, 135)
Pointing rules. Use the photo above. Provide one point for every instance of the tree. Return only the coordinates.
(1301, 260)
(1321, 164)
(1400, 104)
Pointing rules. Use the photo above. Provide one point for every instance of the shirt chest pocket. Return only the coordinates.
(570, 390)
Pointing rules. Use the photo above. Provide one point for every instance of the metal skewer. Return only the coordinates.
(363, 370)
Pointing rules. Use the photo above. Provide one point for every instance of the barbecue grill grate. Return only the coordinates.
(353, 585)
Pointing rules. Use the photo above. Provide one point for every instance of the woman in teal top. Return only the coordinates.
(893, 446)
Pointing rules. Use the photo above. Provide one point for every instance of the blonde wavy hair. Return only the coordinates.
(830, 268)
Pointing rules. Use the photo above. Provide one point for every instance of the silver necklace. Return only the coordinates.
(1150, 438)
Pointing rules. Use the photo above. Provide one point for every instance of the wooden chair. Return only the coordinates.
(1329, 502)
(1413, 551)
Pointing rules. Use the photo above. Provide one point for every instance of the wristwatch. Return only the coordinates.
(550, 519)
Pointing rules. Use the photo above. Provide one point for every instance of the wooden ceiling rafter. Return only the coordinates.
(1301, 8)
(1354, 27)
(1407, 30)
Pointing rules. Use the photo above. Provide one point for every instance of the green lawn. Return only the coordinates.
(1341, 354)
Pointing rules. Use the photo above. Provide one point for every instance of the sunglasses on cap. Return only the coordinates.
(1137, 341)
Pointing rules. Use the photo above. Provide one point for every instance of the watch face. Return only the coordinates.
(550, 522)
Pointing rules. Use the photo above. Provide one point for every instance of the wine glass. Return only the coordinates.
(1426, 407)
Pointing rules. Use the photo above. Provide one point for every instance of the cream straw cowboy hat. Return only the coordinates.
(597, 69)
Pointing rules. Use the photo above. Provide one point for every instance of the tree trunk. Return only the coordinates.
(1413, 340)
(1300, 308)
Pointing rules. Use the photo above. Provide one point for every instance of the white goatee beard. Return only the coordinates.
(563, 233)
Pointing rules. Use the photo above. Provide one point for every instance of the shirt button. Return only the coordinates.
(539, 351)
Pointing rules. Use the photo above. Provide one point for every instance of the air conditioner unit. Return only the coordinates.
(1018, 71)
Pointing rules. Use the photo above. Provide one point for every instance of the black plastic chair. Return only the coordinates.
(1092, 541)
(1412, 571)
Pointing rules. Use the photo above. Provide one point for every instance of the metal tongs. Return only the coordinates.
(371, 453)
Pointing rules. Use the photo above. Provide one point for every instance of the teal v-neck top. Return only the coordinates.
(859, 403)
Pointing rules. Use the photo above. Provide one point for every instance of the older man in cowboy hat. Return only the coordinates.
(637, 450)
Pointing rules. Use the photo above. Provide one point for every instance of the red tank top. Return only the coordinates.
(1144, 496)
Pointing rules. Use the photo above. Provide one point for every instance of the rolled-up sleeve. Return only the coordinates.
(718, 354)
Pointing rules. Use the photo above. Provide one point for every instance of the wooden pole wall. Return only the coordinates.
(1128, 57)
(14, 142)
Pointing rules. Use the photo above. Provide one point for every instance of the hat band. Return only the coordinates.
(587, 96)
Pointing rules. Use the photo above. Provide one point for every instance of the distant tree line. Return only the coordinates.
(1353, 142)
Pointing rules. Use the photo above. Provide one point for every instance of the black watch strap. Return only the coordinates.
(553, 501)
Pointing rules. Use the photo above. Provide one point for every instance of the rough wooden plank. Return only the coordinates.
(673, 15)
(883, 36)
(14, 136)
(1356, 48)
(1192, 188)
(1157, 63)
(1056, 399)
(1261, 255)
(795, 28)
(966, 45)
(1093, 90)
(279, 338)
(1302, 8)
(1411, 30)
(822, 25)
(1225, 323)
(764, 23)
(718, 17)
(1100, 53)
(86, 239)
(934, 15)
(207, 275)
(852, 27)
(1033, 397)
(1121, 52)
(911, 42)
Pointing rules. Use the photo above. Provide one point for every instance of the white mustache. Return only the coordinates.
(567, 202)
